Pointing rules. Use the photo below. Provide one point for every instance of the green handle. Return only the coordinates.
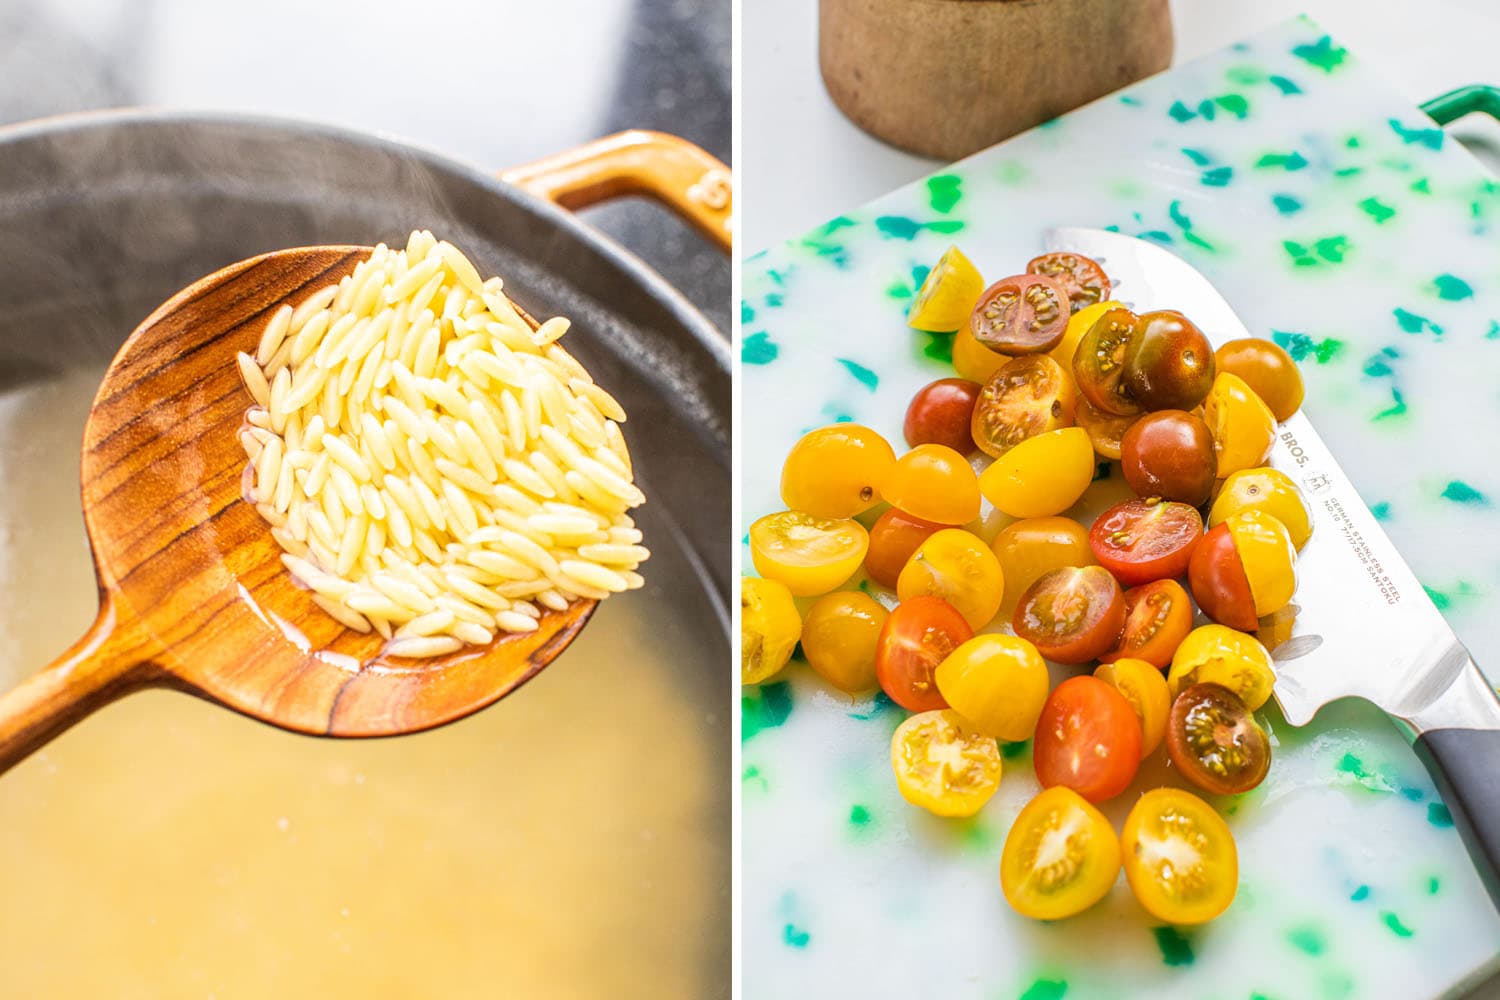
(1465, 100)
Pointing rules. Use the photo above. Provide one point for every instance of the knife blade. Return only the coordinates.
(1365, 626)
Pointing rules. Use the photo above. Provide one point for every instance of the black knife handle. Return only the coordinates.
(1465, 764)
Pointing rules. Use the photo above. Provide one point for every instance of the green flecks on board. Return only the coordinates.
(1217, 177)
(1046, 989)
(863, 375)
(1176, 949)
(1010, 751)
(794, 936)
(754, 778)
(1156, 235)
(1354, 767)
(1421, 186)
(1323, 54)
(773, 300)
(1286, 204)
(1394, 923)
(1397, 408)
(1011, 173)
(832, 226)
(1198, 157)
(1180, 112)
(1445, 599)
(902, 228)
(880, 705)
(764, 707)
(1452, 288)
(1284, 85)
(1235, 104)
(859, 816)
(747, 313)
(1412, 323)
(1307, 939)
(1438, 815)
(944, 191)
(1434, 886)
(1244, 75)
(1376, 209)
(1493, 333)
(939, 347)
(1360, 895)
(1329, 250)
(1287, 161)
(1382, 510)
(1432, 138)
(758, 349)
(898, 289)
(1131, 100)
(1461, 492)
(1301, 347)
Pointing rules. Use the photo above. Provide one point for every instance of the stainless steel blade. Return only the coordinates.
(1365, 626)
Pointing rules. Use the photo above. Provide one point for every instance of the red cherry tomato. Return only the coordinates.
(1071, 615)
(1217, 577)
(917, 636)
(1081, 277)
(1088, 739)
(1158, 616)
(895, 536)
(1144, 540)
(1022, 314)
(940, 413)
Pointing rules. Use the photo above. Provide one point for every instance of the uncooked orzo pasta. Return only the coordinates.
(432, 467)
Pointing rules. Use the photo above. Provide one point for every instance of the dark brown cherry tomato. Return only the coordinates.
(1081, 277)
(1214, 740)
(1071, 615)
(940, 413)
(1088, 739)
(1170, 454)
(1170, 363)
(1158, 616)
(1267, 369)
(1217, 577)
(893, 539)
(1144, 540)
(917, 636)
(1106, 431)
(1023, 314)
(1099, 363)
(1029, 395)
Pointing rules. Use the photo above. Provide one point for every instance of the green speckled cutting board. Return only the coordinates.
(1337, 220)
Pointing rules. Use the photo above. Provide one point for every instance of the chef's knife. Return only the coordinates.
(1366, 627)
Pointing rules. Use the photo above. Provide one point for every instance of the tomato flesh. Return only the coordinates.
(940, 413)
(1027, 396)
(1215, 742)
(1081, 277)
(1023, 314)
(1099, 363)
(1071, 615)
(1087, 739)
(944, 766)
(1180, 858)
(1061, 856)
(917, 637)
(1144, 540)
(1158, 617)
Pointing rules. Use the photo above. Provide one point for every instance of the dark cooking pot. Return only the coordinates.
(104, 216)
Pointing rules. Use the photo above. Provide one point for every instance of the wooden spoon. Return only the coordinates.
(192, 593)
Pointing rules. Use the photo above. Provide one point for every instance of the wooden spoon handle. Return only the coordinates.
(108, 662)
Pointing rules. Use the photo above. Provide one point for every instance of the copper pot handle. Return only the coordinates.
(680, 175)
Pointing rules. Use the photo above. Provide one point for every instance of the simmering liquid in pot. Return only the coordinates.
(572, 841)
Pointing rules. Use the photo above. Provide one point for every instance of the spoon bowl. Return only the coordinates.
(192, 592)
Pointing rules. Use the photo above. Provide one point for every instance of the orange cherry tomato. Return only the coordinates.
(1088, 739)
(1180, 858)
(1105, 430)
(972, 360)
(958, 567)
(1158, 616)
(1144, 540)
(1029, 395)
(917, 637)
(836, 471)
(893, 539)
(1266, 369)
(1036, 545)
(1061, 856)
(1071, 615)
(934, 483)
(1022, 314)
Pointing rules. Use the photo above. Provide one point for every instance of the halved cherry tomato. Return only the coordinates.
(997, 683)
(1215, 742)
(811, 555)
(1036, 545)
(1158, 617)
(972, 360)
(1087, 739)
(1029, 395)
(1071, 615)
(1169, 364)
(836, 471)
(1099, 363)
(1270, 490)
(1022, 314)
(1082, 278)
(1180, 858)
(916, 637)
(1061, 856)
(769, 628)
(947, 294)
(1144, 540)
(1169, 454)
(1078, 325)
(1266, 369)
(1217, 578)
(893, 539)
(944, 766)
(1243, 427)
(935, 483)
(1105, 430)
(959, 568)
(840, 636)
(1217, 654)
(940, 413)
(1042, 475)
(1146, 690)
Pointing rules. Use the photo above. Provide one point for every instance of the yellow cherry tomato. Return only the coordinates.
(935, 483)
(769, 628)
(1061, 856)
(1269, 557)
(1078, 325)
(1242, 425)
(1218, 654)
(811, 555)
(972, 360)
(1180, 858)
(1031, 547)
(943, 765)
(998, 683)
(1042, 475)
(1270, 490)
(836, 471)
(839, 636)
(1146, 690)
(947, 295)
(959, 568)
